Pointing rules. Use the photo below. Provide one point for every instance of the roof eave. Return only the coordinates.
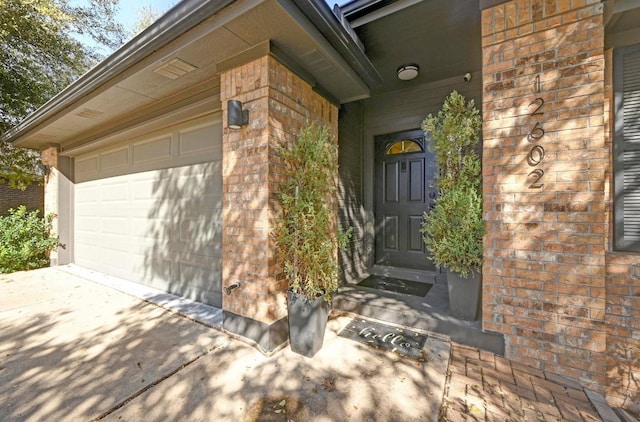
(184, 16)
(329, 26)
(181, 18)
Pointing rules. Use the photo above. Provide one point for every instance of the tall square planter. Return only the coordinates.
(464, 295)
(307, 323)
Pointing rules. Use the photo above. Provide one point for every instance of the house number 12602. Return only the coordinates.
(536, 153)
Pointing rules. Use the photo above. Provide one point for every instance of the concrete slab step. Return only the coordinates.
(429, 313)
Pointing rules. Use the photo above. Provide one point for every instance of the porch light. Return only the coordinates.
(406, 72)
(236, 116)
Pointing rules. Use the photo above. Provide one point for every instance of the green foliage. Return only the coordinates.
(25, 240)
(40, 56)
(453, 230)
(147, 14)
(306, 236)
(39, 53)
(455, 133)
(18, 166)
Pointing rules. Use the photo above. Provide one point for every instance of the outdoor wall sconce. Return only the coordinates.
(406, 72)
(236, 116)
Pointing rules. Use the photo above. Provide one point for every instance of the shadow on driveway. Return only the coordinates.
(71, 349)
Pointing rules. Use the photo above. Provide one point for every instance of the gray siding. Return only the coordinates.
(351, 211)
(399, 111)
(406, 109)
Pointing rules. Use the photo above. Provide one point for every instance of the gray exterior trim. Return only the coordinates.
(340, 38)
(485, 4)
(269, 48)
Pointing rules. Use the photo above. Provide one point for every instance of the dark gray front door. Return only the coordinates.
(404, 178)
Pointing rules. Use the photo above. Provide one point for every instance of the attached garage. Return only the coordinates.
(149, 210)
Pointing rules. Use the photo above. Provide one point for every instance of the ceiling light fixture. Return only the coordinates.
(406, 72)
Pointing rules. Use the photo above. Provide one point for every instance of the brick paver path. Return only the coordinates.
(484, 387)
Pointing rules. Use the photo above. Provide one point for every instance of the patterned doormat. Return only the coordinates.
(406, 287)
(402, 341)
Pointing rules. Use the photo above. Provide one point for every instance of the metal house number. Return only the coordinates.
(536, 153)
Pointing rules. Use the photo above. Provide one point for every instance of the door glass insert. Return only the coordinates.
(404, 146)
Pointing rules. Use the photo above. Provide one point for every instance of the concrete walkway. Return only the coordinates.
(72, 349)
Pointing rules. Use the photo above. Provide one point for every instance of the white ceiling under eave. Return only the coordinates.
(144, 92)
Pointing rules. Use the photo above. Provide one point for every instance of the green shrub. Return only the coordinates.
(25, 240)
(307, 237)
(453, 234)
(454, 228)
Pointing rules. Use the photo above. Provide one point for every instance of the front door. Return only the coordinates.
(404, 175)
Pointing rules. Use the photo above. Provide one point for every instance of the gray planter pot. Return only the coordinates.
(307, 323)
(464, 295)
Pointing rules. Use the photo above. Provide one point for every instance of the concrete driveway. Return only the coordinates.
(71, 349)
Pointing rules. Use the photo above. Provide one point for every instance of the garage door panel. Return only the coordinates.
(155, 272)
(116, 226)
(151, 150)
(203, 140)
(148, 230)
(86, 195)
(150, 211)
(194, 208)
(162, 226)
(115, 188)
(199, 179)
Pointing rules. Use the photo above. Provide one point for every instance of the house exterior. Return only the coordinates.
(151, 184)
(32, 197)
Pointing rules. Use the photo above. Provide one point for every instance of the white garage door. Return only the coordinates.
(150, 211)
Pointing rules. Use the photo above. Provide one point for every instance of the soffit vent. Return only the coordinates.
(175, 69)
(87, 113)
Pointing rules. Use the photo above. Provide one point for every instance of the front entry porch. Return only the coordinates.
(430, 313)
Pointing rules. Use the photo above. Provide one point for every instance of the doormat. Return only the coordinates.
(405, 287)
(402, 341)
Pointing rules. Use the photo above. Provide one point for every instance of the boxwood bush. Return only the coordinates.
(25, 240)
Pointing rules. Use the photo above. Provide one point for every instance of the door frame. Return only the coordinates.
(368, 165)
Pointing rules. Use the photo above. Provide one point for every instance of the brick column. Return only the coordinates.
(279, 103)
(544, 172)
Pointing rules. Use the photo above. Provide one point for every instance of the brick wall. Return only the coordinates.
(32, 197)
(543, 106)
(279, 103)
(623, 330)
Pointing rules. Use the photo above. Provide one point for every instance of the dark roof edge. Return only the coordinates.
(356, 8)
(327, 23)
(172, 24)
(485, 4)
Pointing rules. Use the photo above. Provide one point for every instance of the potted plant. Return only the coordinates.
(307, 235)
(454, 228)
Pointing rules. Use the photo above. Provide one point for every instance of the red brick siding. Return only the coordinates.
(279, 103)
(623, 330)
(32, 197)
(544, 269)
